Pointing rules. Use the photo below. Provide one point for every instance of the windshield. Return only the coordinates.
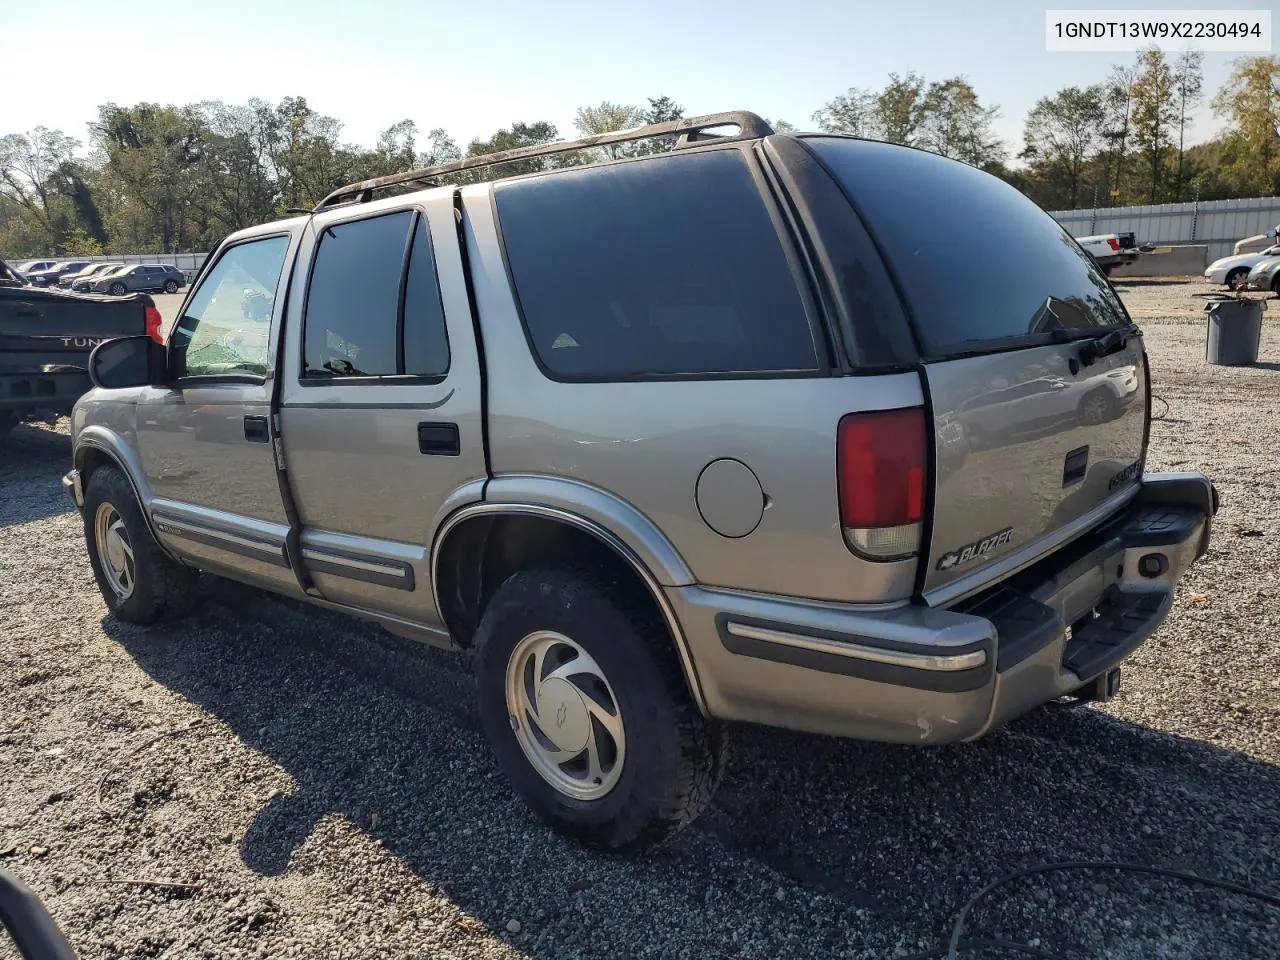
(977, 261)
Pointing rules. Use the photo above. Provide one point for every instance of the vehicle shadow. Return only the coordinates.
(814, 847)
(32, 462)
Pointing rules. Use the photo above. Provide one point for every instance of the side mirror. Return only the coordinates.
(128, 362)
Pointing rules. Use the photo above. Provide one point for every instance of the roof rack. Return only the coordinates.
(690, 130)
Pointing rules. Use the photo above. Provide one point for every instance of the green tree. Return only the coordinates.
(606, 118)
(1250, 101)
(852, 112)
(1118, 102)
(954, 123)
(1155, 114)
(29, 165)
(1188, 81)
(1062, 136)
(662, 110)
(513, 138)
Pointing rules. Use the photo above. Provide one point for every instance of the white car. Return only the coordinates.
(1232, 270)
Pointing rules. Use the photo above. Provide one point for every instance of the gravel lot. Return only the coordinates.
(326, 788)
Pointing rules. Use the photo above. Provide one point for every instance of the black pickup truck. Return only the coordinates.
(46, 336)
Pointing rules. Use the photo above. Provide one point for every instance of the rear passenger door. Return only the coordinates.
(380, 414)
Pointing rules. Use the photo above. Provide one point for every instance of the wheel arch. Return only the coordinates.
(479, 546)
(96, 447)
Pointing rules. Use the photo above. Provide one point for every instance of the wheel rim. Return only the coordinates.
(117, 288)
(115, 552)
(1236, 280)
(170, 287)
(565, 715)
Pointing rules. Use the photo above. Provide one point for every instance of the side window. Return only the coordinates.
(426, 343)
(654, 268)
(227, 323)
(353, 301)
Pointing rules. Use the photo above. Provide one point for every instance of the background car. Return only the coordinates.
(51, 276)
(70, 280)
(142, 277)
(1265, 276)
(30, 266)
(1232, 271)
(84, 281)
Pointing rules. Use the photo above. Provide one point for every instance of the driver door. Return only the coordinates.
(205, 439)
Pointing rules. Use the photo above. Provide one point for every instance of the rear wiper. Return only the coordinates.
(1098, 347)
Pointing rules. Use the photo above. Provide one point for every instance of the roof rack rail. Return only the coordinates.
(691, 130)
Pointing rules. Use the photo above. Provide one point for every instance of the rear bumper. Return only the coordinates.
(57, 392)
(923, 675)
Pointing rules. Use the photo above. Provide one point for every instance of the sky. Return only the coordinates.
(474, 67)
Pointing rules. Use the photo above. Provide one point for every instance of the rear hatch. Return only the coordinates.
(1035, 376)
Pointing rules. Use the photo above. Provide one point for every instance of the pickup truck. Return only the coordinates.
(1111, 250)
(46, 336)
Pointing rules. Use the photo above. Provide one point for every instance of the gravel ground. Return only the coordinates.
(326, 789)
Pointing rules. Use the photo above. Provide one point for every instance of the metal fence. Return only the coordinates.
(1217, 224)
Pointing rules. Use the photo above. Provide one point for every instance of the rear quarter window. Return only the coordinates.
(976, 260)
(664, 267)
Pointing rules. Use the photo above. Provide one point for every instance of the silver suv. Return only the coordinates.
(739, 431)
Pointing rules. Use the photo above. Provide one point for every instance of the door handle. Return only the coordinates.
(255, 429)
(439, 439)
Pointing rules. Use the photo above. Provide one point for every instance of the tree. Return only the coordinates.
(1188, 80)
(1063, 135)
(512, 138)
(1118, 102)
(1154, 116)
(955, 124)
(608, 118)
(28, 163)
(662, 110)
(1250, 101)
(852, 112)
(899, 109)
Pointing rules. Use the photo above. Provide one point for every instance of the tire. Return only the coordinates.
(670, 758)
(171, 286)
(117, 289)
(1235, 279)
(158, 588)
(1275, 285)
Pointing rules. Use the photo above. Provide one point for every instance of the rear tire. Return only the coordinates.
(171, 286)
(138, 581)
(117, 289)
(1235, 279)
(632, 760)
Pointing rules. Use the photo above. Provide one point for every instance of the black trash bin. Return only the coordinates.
(1235, 329)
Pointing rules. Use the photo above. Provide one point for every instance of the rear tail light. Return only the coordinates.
(880, 477)
(154, 321)
(1113, 243)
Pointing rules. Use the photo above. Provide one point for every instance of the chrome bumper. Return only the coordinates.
(916, 674)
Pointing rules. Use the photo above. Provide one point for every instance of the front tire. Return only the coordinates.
(138, 581)
(1236, 278)
(584, 703)
(117, 289)
(171, 286)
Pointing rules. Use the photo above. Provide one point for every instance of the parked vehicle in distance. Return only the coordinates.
(50, 276)
(141, 278)
(664, 442)
(1232, 271)
(1111, 250)
(46, 337)
(83, 276)
(85, 284)
(31, 266)
(1265, 275)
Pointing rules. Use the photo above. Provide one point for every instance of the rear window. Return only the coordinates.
(654, 268)
(976, 259)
